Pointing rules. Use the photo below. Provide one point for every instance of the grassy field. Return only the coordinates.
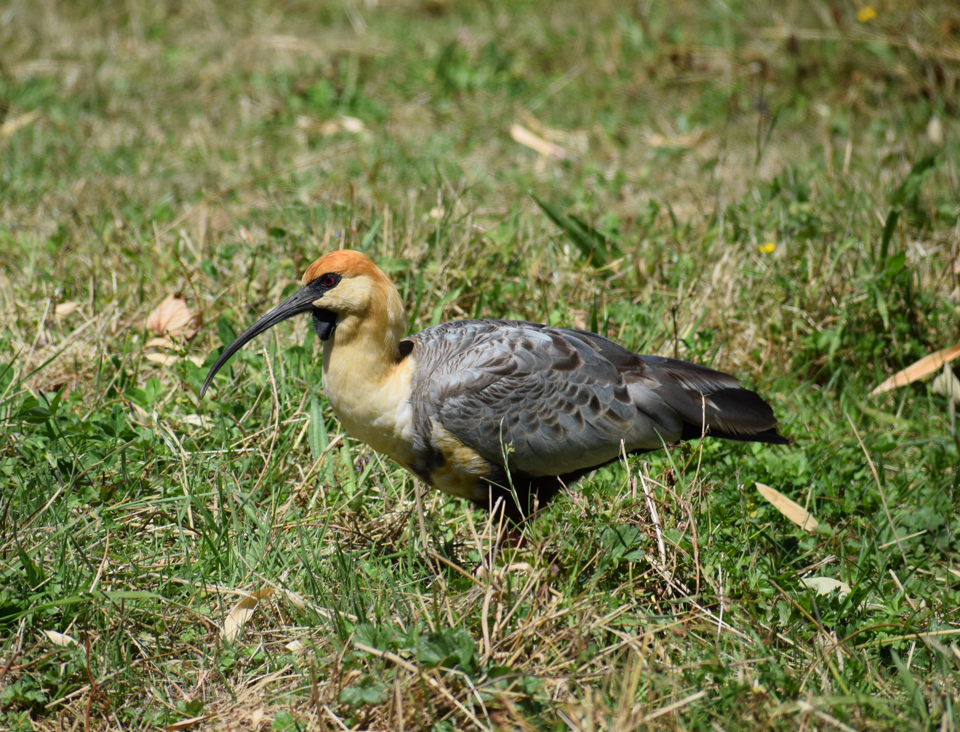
(769, 188)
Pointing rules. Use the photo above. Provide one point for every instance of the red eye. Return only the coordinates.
(329, 280)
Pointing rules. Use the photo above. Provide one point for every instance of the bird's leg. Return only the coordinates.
(508, 534)
(508, 537)
(509, 523)
(511, 537)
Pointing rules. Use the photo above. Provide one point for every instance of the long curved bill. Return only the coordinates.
(299, 302)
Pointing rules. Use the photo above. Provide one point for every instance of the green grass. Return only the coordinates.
(769, 190)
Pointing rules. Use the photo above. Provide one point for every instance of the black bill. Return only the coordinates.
(299, 302)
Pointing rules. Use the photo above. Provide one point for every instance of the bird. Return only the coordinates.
(504, 413)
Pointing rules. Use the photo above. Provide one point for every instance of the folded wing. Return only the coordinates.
(556, 401)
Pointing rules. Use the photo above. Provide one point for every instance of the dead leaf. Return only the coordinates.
(924, 367)
(684, 142)
(935, 131)
(826, 585)
(295, 600)
(172, 317)
(947, 384)
(65, 308)
(789, 508)
(159, 343)
(161, 358)
(241, 613)
(184, 723)
(60, 639)
(535, 142)
(297, 648)
(10, 127)
(350, 125)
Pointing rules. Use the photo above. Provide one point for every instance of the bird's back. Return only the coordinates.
(557, 401)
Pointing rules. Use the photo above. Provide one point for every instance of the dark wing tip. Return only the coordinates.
(766, 437)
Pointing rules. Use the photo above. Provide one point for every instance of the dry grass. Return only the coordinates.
(741, 158)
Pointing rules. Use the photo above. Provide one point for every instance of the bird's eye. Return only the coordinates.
(329, 280)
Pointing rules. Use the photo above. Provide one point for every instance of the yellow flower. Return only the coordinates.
(866, 13)
(767, 248)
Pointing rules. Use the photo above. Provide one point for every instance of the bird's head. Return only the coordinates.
(345, 293)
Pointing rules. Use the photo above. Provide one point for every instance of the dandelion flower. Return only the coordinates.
(767, 248)
(866, 13)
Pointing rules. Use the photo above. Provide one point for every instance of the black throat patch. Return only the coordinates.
(324, 323)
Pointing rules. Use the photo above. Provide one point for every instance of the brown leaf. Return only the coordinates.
(186, 723)
(924, 367)
(242, 612)
(161, 358)
(10, 127)
(351, 125)
(685, 142)
(296, 600)
(63, 309)
(529, 139)
(789, 508)
(159, 343)
(296, 647)
(173, 318)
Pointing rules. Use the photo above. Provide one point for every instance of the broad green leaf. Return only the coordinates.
(226, 332)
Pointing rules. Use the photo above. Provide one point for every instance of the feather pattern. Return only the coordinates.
(557, 401)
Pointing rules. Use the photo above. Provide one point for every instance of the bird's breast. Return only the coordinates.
(375, 411)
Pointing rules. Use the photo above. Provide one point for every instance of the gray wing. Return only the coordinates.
(702, 397)
(558, 400)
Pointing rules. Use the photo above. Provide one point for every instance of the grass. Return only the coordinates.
(772, 190)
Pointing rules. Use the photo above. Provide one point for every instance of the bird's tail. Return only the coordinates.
(713, 403)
